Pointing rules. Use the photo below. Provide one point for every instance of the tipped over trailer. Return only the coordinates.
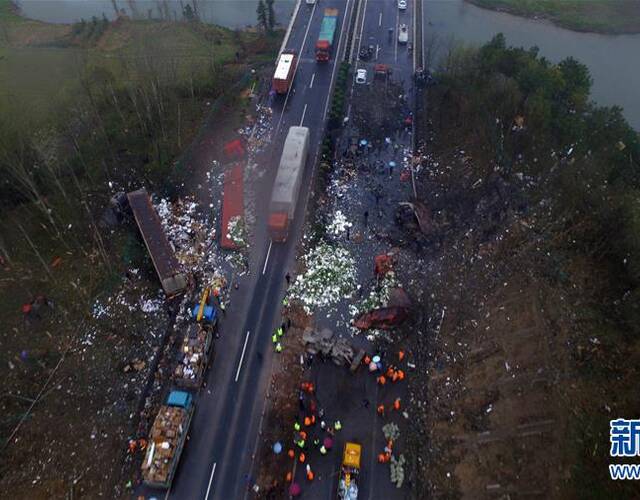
(286, 187)
(162, 255)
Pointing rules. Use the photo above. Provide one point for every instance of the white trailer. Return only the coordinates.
(286, 187)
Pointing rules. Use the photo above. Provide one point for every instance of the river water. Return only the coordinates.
(229, 13)
(614, 61)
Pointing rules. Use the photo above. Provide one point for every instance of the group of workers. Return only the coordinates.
(276, 337)
(310, 416)
(304, 428)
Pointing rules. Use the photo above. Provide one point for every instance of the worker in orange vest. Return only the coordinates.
(400, 355)
(394, 377)
(313, 420)
(396, 404)
(302, 458)
(400, 375)
(381, 458)
(366, 360)
(381, 380)
(133, 445)
(307, 421)
(381, 410)
(310, 474)
(289, 477)
(142, 443)
(390, 372)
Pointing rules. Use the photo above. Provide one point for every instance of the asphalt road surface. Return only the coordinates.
(352, 399)
(217, 458)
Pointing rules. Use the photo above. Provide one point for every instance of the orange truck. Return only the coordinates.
(286, 187)
(285, 70)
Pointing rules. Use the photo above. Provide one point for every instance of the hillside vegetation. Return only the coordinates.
(87, 111)
(535, 272)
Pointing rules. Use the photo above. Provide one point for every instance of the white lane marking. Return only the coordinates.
(380, 20)
(413, 13)
(395, 53)
(285, 40)
(421, 33)
(244, 348)
(304, 112)
(313, 77)
(304, 40)
(377, 51)
(335, 65)
(213, 471)
(364, 15)
(266, 261)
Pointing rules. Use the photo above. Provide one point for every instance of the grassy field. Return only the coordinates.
(30, 49)
(600, 16)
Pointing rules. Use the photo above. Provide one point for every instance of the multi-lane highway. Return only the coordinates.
(218, 462)
(217, 459)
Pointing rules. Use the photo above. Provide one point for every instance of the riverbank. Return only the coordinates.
(597, 16)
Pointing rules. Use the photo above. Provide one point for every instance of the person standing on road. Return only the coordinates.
(288, 278)
(366, 218)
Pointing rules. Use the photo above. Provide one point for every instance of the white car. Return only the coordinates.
(403, 34)
(361, 76)
(402, 4)
(310, 2)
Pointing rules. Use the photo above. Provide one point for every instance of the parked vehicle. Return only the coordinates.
(381, 70)
(166, 440)
(327, 35)
(361, 76)
(403, 34)
(194, 357)
(310, 2)
(366, 52)
(285, 71)
(349, 472)
(286, 187)
(402, 4)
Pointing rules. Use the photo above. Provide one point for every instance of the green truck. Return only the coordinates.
(327, 35)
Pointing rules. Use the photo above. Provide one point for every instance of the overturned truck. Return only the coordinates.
(173, 280)
(325, 343)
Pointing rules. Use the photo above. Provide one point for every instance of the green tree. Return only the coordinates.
(262, 15)
(577, 82)
(187, 12)
(271, 15)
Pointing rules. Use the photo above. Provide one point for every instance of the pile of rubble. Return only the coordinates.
(329, 346)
